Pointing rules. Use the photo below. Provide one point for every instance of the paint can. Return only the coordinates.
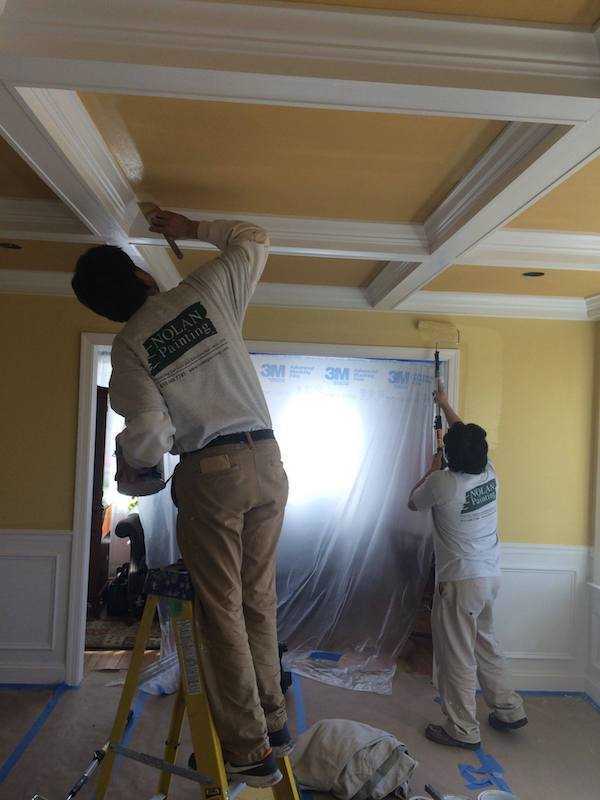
(496, 794)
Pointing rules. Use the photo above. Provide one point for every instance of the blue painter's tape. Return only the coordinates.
(490, 773)
(301, 723)
(324, 655)
(28, 738)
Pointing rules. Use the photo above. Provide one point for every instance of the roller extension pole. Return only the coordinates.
(437, 424)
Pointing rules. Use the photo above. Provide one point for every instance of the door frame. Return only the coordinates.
(92, 344)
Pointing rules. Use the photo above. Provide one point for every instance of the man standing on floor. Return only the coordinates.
(184, 382)
(464, 500)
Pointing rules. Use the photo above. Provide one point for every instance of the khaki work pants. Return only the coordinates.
(231, 501)
(466, 650)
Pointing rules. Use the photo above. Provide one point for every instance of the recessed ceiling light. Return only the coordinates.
(10, 246)
(533, 274)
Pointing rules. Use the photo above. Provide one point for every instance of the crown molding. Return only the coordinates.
(306, 35)
(478, 304)
(516, 247)
(503, 158)
(328, 238)
(285, 295)
(67, 122)
(25, 218)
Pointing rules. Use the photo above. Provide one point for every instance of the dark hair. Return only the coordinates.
(105, 281)
(466, 448)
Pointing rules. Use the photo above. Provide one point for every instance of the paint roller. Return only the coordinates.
(437, 333)
(149, 207)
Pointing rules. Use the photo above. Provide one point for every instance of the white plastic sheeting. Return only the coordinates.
(355, 436)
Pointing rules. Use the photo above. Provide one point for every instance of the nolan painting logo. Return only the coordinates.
(274, 372)
(177, 337)
(479, 497)
(337, 374)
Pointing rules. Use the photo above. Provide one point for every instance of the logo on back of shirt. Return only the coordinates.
(178, 336)
(479, 497)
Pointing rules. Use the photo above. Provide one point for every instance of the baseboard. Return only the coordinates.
(49, 674)
(548, 682)
(592, 689)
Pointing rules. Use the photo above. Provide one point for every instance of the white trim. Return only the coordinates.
(65, 119)
(480, 184)
(565, 157)
(291, 295)
(328, 238)
(91, 345)
(327, 42)
(479, 304)
(523, 248)
(43, 557)
(158, 262)
(25, 218)
(385, 283)
(44, 282)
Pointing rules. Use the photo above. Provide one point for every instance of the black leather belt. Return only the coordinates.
(237, 438)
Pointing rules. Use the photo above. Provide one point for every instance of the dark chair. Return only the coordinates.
(131, 528)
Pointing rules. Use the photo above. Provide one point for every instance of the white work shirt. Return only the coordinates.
(465, 516)
(182, 375)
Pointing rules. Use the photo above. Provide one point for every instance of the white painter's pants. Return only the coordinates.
(466, 649)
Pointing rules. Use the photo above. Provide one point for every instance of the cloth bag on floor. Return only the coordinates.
(352, 761)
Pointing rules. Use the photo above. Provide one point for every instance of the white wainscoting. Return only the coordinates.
(593, 677)
(34, 596)
(542, 615)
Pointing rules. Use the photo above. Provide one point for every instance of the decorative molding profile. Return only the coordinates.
(385, 282)
(31, 218)
(67, 122)
(479, 304)
(517, 142)
(292, 295)
(333, 40)
(523, 248)
(483, 212)
(327, 238)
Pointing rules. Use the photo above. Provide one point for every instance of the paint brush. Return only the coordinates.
(148, 207)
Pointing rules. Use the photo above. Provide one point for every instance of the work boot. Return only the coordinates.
(435, 733)
(500, 725)
(281, 742)
(260, 774)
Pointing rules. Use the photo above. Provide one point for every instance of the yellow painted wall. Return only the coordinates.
(40, 340)
(528, 382)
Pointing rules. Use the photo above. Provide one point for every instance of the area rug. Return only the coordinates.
(117, 634)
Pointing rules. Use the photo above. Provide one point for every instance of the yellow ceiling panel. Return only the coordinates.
(506, 280)
(573, 206)
(299, 269)
(17, 179)
(293, 161)
(36, 255)
(564, 12)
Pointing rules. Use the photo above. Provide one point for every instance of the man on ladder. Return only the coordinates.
(184, 382)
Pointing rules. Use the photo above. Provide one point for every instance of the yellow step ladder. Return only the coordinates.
(174, 583)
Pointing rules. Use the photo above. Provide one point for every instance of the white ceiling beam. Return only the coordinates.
(51, 220)
(41, 219)
(319, 56)
(537, 249)
(285, 295)
(486, 199)
(324, 238)
(53, 132)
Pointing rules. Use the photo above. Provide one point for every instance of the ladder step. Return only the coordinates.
(160, 764)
